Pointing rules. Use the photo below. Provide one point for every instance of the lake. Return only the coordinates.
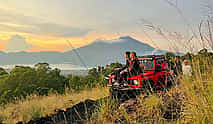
(66, 69)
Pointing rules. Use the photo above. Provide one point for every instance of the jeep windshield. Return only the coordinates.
(148, 63)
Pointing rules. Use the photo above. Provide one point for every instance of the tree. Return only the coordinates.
(23, 81)
(93, 73)
(42, 67)
(188, 56)
(20, 82)
(203, 51)
(169, 55)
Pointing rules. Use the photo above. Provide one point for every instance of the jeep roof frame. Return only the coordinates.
(152, 56)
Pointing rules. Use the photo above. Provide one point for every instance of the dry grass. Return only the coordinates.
(199, 96)
(191, 101)
(37, 106)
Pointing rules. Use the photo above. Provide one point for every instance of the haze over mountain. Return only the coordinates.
(100, 52)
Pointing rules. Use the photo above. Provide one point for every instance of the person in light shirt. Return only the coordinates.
(186, 68)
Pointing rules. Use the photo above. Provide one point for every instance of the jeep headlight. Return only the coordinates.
(135, 82)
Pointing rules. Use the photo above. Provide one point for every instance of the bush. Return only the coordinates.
(23, 81)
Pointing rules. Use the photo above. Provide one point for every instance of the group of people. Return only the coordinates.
(131, 68)
(181, 68)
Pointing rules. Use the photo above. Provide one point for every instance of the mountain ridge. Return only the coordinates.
(99, 52)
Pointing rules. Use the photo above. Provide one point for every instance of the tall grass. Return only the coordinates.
(37, 106)
(198, 91)
(191, 101)
(155, 108)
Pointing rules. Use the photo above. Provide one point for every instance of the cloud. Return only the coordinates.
(10, 21)
(59, 30)
(17, 43)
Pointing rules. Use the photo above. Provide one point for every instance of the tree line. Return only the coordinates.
(22, 81)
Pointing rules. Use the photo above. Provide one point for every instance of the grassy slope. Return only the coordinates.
(37, 106)
(193, 94)
(191, 101)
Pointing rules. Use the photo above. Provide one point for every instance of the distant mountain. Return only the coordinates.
(100, 52)
(29, 57)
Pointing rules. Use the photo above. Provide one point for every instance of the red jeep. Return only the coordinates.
(154, 77)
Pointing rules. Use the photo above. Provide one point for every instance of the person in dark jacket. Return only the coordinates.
(121, 72)
(127, 56)
(177, 66)
(134, 65)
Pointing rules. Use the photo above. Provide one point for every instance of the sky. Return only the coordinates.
(45, 25)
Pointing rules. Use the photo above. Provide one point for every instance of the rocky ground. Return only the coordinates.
(171, 109)
(76, 114)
